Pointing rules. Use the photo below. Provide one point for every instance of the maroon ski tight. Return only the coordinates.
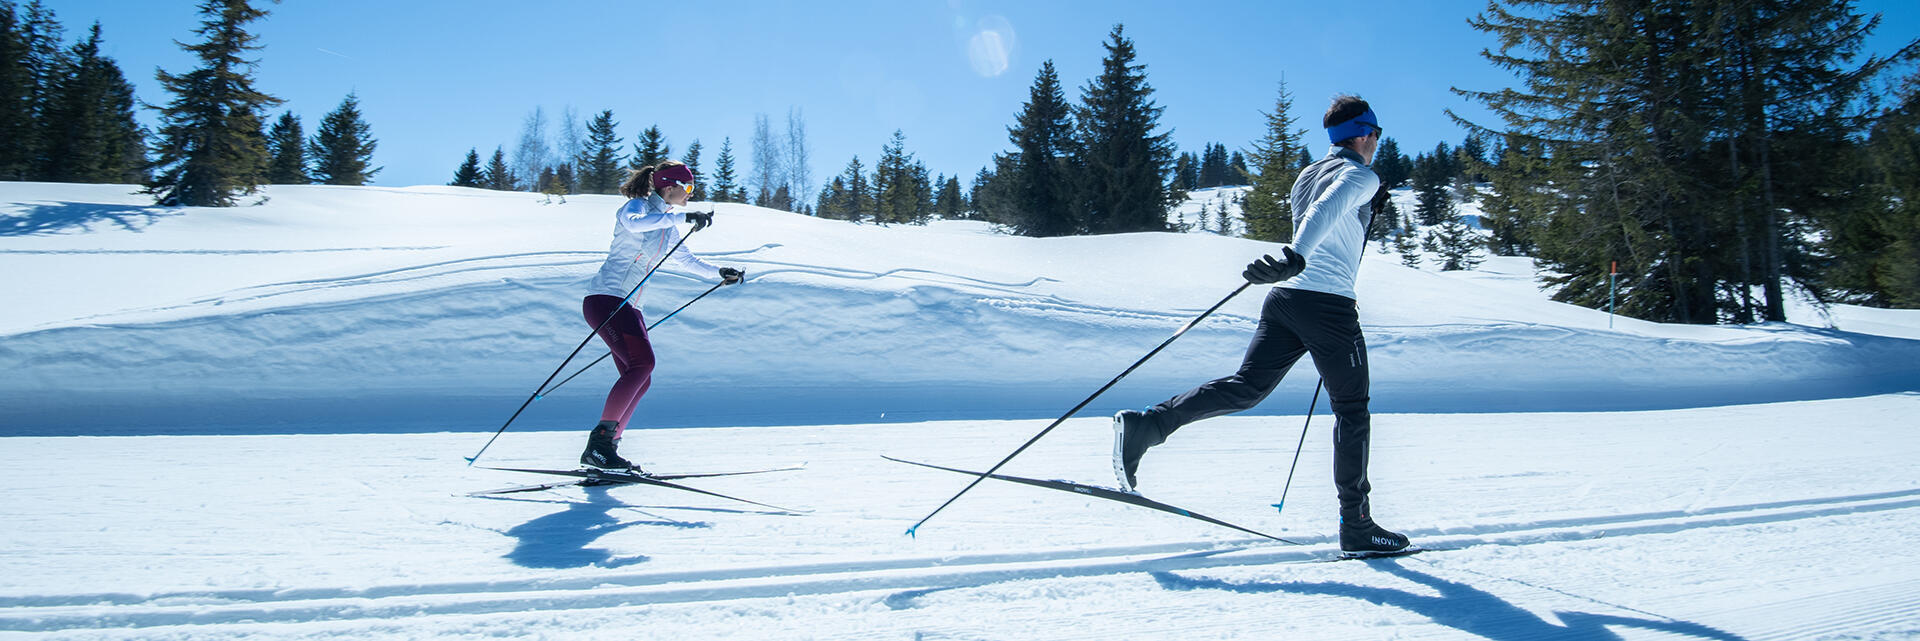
(626, 335)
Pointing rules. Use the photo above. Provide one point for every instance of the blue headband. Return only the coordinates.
(1358, 126)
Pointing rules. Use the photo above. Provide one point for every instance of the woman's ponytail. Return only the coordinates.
(639, 182)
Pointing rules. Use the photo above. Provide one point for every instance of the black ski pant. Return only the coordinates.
(1295, 322)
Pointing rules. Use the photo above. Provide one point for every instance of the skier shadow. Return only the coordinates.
(1461, 606)
(47, 219)
(564, 539)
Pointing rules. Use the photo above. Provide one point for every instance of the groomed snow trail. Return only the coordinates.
(1739, 522)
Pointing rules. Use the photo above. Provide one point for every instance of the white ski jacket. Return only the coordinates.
(1331, 212)
(643, 231)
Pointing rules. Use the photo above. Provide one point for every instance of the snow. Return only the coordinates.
(296, 382)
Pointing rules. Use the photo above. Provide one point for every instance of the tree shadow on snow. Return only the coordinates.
(46, 219)
(1461, 607)
(563, 539)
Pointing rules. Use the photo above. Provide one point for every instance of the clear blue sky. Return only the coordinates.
(437, 77)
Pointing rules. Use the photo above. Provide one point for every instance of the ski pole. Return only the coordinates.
(583, 370)
(1063, 418)
(582, 345)
(1282, 505)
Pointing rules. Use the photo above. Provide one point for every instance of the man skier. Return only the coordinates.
(1311, 311)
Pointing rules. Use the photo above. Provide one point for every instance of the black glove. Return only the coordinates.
(729, 275)
(1268, 271)
(700, 219)
(1380, 199)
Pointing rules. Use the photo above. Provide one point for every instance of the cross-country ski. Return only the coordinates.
(593, 477)
(613, 478)
(1130, 498)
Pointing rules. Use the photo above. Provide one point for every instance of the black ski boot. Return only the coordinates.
(603, 449)
(1133, 433)
(1363, 537)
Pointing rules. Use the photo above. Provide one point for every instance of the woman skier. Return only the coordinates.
(643, 232)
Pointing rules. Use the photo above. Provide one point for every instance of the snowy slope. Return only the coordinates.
(332, 309)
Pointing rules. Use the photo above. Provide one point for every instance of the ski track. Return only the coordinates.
(1892, 609)
(538, 267)
(213, 252)
(1880, 607)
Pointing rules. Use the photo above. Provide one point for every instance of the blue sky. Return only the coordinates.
(436, 77)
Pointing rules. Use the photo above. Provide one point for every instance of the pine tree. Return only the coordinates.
(1213, 166)
(599, 162)
(692, 160)
(951, 204)
(469, 175)
(498, 176)
(1125, 163)
(832, 195)
(650, 148)
(17, 123)
(1431, 185)
(1505, 207)
(553, 184)
(1695, 144)
(1237, 171)
(211, 144)
(1269, 207)
(544, 184)
(1875, 248)
(923, 187)
(900, 187)
(565, 180)
(1384, 221)
(830, 203)
(724, 189)
(1409, 250)
(1186, 172)
(974, 191)
(780, 199)
(1457, 245)
(1393, 167)
(1795, 111)
(343, 146)
(31, 73)
(1033, 192)
(287, 152)
(1471, 159)
(91, 135)
(857, 199)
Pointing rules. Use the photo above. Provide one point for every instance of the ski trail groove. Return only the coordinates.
(294, 605)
